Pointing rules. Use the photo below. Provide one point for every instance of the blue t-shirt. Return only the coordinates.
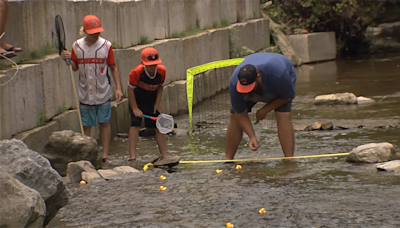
(277, 75)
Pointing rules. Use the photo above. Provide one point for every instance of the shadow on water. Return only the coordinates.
(312, 192)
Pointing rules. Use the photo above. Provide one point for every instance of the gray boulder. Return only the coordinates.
(391, 166)
(372, 153)
(34, 171)
(64, 147)
(21, 206)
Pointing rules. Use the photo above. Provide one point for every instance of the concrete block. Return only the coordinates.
(106, 12)
(176, 17)
(122, 117)
(36, 138)
(190, 17)
(172, 97)
(145, 20)
(91, 177)
(171, 54)
(160, 18)
(126, 169)
(208, 13)
(267, 34)
(21, 100)
(189, 48)
(241, 10)
(68, 120)
(126, 60)
(219, 44)
(252, 9)
(227, 11)
(203, 48)
(314, 47)
(109, 174)
(127, 25)
(180, 87)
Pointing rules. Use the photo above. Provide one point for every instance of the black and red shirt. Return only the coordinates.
(146, 85)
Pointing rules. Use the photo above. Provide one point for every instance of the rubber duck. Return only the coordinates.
(162, 188)
(218, 171)
(229, 225)
(82, 182)
(162, 177)
(239, 167)
(262, 211)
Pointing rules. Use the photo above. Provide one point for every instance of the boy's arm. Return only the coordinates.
(157, 105)
(118, 92)
(132, 102)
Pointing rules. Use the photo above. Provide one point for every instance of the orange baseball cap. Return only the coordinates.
(92, 24)
(150, 56)
(247, 77)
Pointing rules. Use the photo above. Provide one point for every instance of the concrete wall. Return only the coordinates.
(314, 47)
(44, 86)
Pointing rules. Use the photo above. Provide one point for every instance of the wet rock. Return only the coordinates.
(372, 153)
(179, 132)
(365, 100)
(391, 166)
(336, 99)
(67, 146)
(327, 126)
(21, 206)
(109, 174)
(35, 171)
(301, 128)
(316, 126)
(341, 128)
(123, 135)
(126, 169)
(75, 169)
(91, 177)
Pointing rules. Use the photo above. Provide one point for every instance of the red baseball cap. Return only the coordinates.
(150, 56)
(247, 77)
(92, 24)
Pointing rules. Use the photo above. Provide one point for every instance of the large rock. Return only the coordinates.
(35, 171)
(75, 169)
(372, 153)
(391, 166)
(67, 146)
(336, 99)
(21, 206)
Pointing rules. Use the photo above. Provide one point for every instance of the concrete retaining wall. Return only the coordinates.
(44, 88)
(314, 47)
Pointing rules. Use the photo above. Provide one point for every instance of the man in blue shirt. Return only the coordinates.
(265, 77)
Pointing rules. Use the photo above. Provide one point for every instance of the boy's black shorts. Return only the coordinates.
(146, 109)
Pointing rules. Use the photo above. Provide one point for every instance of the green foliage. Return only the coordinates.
(42, 119)
(116, 45)
(37, 54)
(224, 22)
(189, 32)
(63, 108)
(323, 15)
(144, 40)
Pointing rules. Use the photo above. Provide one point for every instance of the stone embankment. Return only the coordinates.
(34, 101)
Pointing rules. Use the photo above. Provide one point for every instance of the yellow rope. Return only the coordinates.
(264, 159)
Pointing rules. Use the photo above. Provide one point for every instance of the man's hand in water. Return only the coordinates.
(253, 144)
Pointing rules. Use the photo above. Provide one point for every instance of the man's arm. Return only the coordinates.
(272, 105)
(244, 123)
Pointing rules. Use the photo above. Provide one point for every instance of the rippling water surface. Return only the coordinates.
(312, 192)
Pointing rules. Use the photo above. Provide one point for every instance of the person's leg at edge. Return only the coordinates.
(133, 140)
(86, 130)
(285, 132)
(162, 144)
(234, 135)
(105, 134)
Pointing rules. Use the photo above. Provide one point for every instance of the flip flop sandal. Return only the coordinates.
(169, 162)
(7, 54)
(12, 48)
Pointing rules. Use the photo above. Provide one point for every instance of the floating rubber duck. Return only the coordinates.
(162, 188)
(82, 182)
(239, 167)
(162, 177)
(218, 171)
(229, 225)
(262, 211)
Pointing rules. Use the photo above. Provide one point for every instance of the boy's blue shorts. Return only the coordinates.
(90, 112)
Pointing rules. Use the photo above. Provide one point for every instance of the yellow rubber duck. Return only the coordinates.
(82, 182)
(262, 211)
(162, 177)
(162, 188)
(229, 225)
(218, 171)
(146, 167)
(239, 167)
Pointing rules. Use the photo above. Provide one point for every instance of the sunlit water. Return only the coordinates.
(312, 192)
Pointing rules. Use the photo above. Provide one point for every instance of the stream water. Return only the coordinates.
(312, 192)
